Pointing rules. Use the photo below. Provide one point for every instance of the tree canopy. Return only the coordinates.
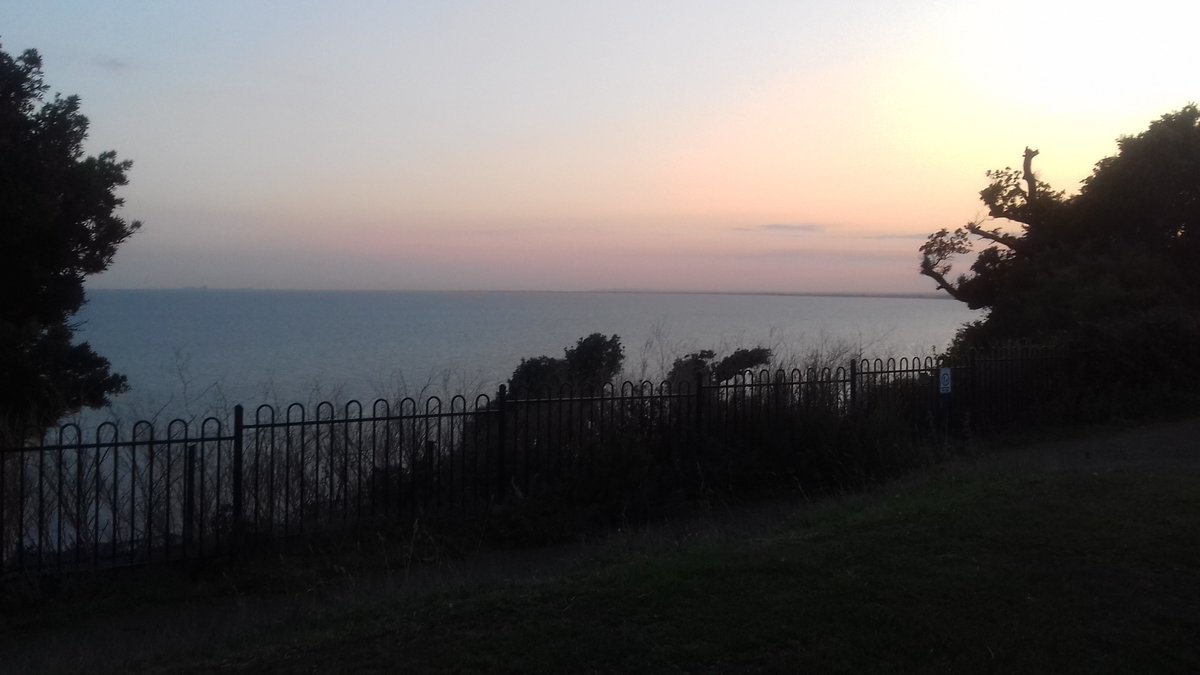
(1115, 267)
(59, 223)
(593, 362)
(703, 365)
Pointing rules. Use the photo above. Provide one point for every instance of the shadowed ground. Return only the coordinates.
(1078, 555)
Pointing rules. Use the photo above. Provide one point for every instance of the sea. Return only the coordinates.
(189, 353)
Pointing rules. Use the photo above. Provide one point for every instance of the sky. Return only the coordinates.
(676, 145)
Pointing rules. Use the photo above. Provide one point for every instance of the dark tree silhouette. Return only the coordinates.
(58, 224)
(1115, 267)
(700, 364)
(593, 362)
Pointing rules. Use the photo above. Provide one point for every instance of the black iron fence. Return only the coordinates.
(146, 493)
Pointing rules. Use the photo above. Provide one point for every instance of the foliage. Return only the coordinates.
(539, 372)
(594, 361)
(1098, 270)
(58, 225)
(700, 365)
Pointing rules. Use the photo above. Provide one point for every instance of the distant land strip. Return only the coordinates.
(615, 291)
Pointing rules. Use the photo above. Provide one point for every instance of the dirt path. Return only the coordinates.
(105, 637)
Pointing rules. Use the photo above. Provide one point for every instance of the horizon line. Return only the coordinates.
(629, 291)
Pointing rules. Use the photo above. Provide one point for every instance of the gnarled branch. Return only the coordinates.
(1011, 241)
(935, 257)
(931, 271)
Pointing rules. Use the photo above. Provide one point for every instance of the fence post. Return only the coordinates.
(853, 382)
(699, 403)
(502, 410)
(238, 503)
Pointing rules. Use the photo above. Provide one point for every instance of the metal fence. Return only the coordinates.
(145, 493)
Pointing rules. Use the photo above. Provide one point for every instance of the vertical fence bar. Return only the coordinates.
(501, 410)
(219, 521)
(20, 540)
(167, 507)
(21, 510)
(148, 494)
(402, 468)
(114, 508)
(414, 445)
(4, 498)
(189, 496)
(201, 492)
(853, 383)
(96, 503)
(435, 451)
(41, 509)
(132, 495)
(331, 435)
(358, 464)
(239, 505)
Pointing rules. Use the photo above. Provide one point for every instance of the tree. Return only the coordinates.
(593, 362)
(58, 225)
(1114, 269)
(700, 365)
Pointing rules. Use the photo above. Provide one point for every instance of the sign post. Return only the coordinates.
(945, 387)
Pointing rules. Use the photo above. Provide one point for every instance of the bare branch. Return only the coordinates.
(936, 253)
(1031, 192)
(1011, 241)
(932, 272)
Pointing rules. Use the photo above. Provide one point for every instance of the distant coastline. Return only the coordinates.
(804, 294)
(933, 295)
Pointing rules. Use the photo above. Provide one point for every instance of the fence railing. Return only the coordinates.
(147, 493)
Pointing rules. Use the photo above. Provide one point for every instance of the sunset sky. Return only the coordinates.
(742, 146)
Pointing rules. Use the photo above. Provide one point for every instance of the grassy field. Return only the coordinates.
(1072, 556)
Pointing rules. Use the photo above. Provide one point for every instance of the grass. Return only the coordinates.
(1071, 557)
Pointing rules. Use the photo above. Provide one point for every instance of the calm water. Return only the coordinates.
(186, 351)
